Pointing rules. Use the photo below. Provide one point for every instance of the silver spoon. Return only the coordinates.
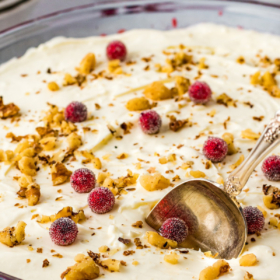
(211, 211)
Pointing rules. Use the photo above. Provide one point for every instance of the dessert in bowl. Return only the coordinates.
(95, 131)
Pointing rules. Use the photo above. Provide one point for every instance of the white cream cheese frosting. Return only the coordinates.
(23, 81)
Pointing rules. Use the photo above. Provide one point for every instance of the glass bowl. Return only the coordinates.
(109, 17)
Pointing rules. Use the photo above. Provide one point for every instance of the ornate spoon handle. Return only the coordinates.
(266, 143)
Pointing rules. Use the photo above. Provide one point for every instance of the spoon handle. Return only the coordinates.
(266, 143)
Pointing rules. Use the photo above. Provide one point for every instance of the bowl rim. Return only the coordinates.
(114, 4)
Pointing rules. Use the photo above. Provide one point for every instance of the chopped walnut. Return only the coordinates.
(216, 270)
(33, 194)
(9, 110)
(197, 174)
(64, 212)
(158, 91)
(229, 139)
(11, 236)
(74, 141)
(237, 163)
(85, 268)
(46, 263)
(157, 240)
(111, 264)
(138, 224)
(87, 64)
(248, 276)
(171, 258)
(240, 60)
(69, 80)
(27, 166)
(154, 182)
(176, 125)
(124, 241)
(114, 67)
(271, 198)
(48, 143)
(128, 253)
(103, 249)
(138, 104)
(248, 260)
(187, 164)
(201, 64)
(122, 156)
(53, 86)
(249, 134)
(224, 99)
(182, 85)
(60, 174)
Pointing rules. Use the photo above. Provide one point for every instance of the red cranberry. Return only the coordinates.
(215, 149)
(82, 180)
(174, 229)
(150, 122)
(271, 168)
(63, 231)
(254, 218)
(200, 92)
(116, 50)
(101, 200)
(75, 112)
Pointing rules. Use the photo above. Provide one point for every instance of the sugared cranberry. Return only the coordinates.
(200, 92)
(150, 122)
(63, 231)
(271, 168)
(174, 229)
(215, 149)
(82, 180)
(116, 50)
(254, 218)
(76, 112)
(101, 200)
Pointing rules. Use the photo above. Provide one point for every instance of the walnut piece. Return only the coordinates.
(182, 84)
(46, 263)
(237, 163)
(158, 241)
(176, 125)
(248, 276)
(171, 258)
(60, 174)
(84, 269)
(154, 182)
(48, 143)
(248, 260)
(87, 64)
(11, 236)
(33, 194)
(69, 80)
(249, 134)
(74, 141)
(197, 174)
(138, 104)
(216, 270)
(114, 67)
(53, 86)
(158, 91)
(111, 264)
(271, 198)
(64, 212)
(9, 110)
(224, 99)
(229, 139)
(27, 166)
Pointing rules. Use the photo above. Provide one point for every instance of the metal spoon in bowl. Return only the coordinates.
(213, 215)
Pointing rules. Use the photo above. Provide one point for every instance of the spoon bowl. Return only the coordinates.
(214, 220)
(212, 213)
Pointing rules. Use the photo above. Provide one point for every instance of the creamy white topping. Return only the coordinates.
(221, 46)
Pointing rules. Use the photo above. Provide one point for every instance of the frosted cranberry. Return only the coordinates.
(63, 231)
(200, 92)
(254, 218)
(76, 112)
(101, 200)
(215, 149)
(82, 180)
(271, 168)
(150, 122)
(116, 50)
(174, 229)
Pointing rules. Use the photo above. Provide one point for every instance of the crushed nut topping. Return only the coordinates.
(9, 110)
(12, 236)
